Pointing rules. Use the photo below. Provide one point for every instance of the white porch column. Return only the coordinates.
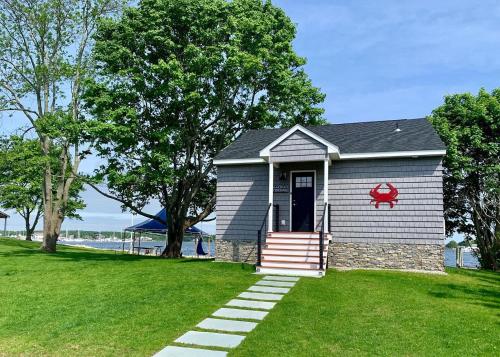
(271, 186)
(325, 192)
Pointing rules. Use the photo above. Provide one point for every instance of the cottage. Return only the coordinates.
(365, 195)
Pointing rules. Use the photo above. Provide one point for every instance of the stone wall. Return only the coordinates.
(428, 257)
(235, 251)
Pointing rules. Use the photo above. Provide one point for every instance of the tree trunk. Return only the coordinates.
(175, 237)
(29, 231)
(486, 243)
(51, 228)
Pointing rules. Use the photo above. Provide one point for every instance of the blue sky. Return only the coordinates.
(374, 60)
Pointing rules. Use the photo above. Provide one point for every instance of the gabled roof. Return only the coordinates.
(416, 137)
(331, 148)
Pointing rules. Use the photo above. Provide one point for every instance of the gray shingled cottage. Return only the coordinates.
(382, 207)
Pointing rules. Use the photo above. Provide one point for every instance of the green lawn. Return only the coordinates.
(85, 302)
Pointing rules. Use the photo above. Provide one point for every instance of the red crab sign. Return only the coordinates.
(384, 197)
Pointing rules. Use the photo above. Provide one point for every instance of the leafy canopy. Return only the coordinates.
(470, 127)
(178, 80)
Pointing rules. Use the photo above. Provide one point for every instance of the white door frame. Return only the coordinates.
(290, 196)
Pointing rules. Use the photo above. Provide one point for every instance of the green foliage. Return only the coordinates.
(470, 127)
(452, 244)
(178, 80)
(45, 59)
(21, 180)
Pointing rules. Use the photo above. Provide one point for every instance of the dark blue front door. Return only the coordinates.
(302, 201)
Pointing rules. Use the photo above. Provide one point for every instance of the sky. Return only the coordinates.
(374, 60)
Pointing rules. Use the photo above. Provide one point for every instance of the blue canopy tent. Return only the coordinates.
(154, 226)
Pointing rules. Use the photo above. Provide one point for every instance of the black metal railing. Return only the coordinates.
(277, 220)
(329, 218)
(259, 235)
(322, 237)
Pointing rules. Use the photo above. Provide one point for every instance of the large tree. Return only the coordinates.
(44, 61)
(178, 80)
(21, 178)
(470, 127)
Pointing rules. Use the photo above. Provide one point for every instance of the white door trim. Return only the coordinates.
(290, 197)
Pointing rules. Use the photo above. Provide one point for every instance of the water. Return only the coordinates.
(470, 261)
(188, 247)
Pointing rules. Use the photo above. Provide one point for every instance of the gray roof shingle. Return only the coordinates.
(362, 137)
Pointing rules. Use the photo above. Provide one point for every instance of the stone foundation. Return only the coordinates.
(428, 257)
(235, 251)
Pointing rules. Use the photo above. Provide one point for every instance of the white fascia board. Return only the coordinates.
(332, 149)
(256, 160)
(389, 154)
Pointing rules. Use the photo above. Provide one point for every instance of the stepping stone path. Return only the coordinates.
(223, 330)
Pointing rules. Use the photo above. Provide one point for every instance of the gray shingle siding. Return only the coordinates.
(298, 147)
(242, 195)
(418, 216)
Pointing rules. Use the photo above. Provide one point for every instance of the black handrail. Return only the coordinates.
(277, 220)
(322, 237)
(329, 218)
(259, 236)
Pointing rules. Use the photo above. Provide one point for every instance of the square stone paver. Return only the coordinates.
(260, 296)
(240, 314)
(174, 351)
(227, 325)
(285, 284)
(281, 278)
(210, 339)
(264, 305)
(268, 289)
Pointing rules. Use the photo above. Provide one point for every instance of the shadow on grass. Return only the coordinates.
(486, 294)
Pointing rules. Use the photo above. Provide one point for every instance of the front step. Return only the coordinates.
(289, 265)
(301, 247)
(297, 235)
(287, 258)
(293, 252)
(290, 272)
(312, 241)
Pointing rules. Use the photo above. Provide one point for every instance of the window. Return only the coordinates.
(303, 181)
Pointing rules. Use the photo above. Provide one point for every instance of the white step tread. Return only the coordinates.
(227, 325)
(175, 351)
(293, 241)
(296, 272)
(289, 265)
(284, 284)
(280, 278)
(308, 247)
(296, 234)
(268, 289)
(240, 314)
(251, 304)
(296, 252)
(285, 258)
(261, 296)
(210, 339)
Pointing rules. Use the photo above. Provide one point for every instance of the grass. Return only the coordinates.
(83, 302)
(376, 313)
(93, 303)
